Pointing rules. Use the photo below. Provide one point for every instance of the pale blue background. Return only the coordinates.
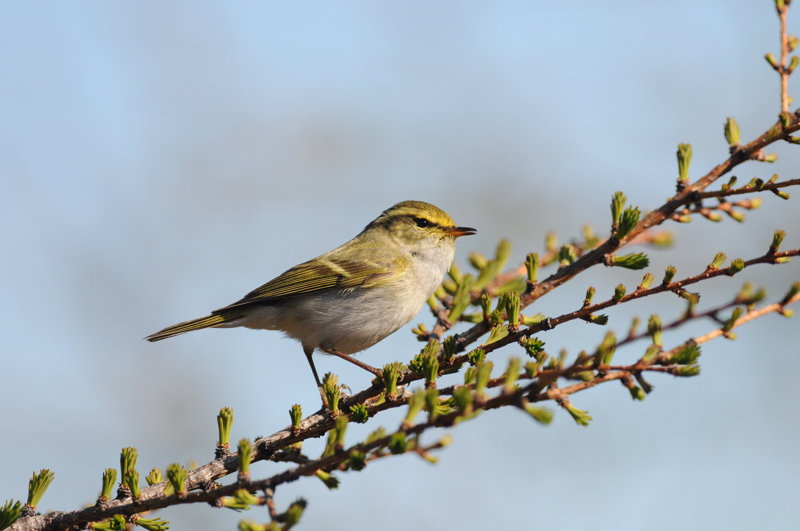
(160, 159)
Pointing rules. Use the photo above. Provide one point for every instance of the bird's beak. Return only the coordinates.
(455, 232)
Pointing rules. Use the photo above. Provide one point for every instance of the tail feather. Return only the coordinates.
(194, 324)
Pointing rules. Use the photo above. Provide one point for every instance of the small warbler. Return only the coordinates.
(350, 298)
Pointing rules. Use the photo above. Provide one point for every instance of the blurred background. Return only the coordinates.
(159, 160)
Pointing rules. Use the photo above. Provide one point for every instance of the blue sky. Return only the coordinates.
(158, 160)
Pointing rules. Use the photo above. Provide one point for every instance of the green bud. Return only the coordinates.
(669, 274)
(115, 523)
(473, 318)
(654, 328)
(646, 386)
(619, 293)
(532, 319)
(647, 280)
(294, 513)
(486, 275)
(449, 287)
(732, 131)
(531, 369)
(617, 207)
(532, 266)
(589, 296)
(634, 326)
(251, 525)
(792, 65)
(390, 374)
(601, 319)
(455, 273)
(606, 349)
(585, 376)
(497, 333)
(687, 354)
(432, 403)
(736, 266)
(632, 261)
(771, 60)
(533, 346)
(132, 481)
(567, 255)
(787, 312)
(329, 480)
(127, 462)
(777, 240)
(476, 356)
(10, 513)
(582, 418)
(719, 259)
(398, 443)
(771, 157)
(449, 348)
(486, 305)
(483, 376)
(590, 237)
(462, 399)
(176, 475)
(629, 220)
(151, 524)
(637, 393)
(693, 298)
(755, 203)
(296, 415)
(420, 330)
(461, 299)
(512, 374)
(687, 370)
(224, 423)
(432, 302)
(781, 194)
(512, 307)
(477, 260)
(415, 405)
(338, 432)
(502, 253)
(731, 322)
(109, 478)
(716, 217)
(550, 242)
(651, 352)
(155, 476)
(540, 414)
(736, 215)
(727, 186)
(791, 294)
(357, 460)
(426, 364)
(793, 42)
(245, 456)
(470, 374)
(359, 413)
(684, 159)
(332, 391)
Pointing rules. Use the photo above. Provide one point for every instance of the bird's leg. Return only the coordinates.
(369, 368)
(309, 352)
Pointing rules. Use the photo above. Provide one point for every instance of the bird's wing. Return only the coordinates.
(320, 275)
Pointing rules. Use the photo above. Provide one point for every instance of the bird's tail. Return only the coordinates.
(215, 319)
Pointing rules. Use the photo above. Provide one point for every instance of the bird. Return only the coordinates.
(348, 299)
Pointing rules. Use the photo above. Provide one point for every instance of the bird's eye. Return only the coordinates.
(422, 222)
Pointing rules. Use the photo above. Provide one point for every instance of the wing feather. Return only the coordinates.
(320, 275)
